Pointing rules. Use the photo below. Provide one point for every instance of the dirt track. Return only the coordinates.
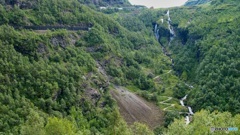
(135, 109)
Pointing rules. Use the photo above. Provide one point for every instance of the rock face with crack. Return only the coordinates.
(135, 109)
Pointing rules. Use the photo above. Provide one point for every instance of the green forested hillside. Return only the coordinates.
(50, 81)
(51, 77)
(210, 55)
(195, 2)
(205, 51)
(106, 2)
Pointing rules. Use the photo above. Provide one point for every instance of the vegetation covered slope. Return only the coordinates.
(51, 77)
(210, 56)
(195, 2)
(205, 51)
(205, 122)
(106, 3)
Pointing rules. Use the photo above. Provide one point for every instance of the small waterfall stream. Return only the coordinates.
(190, 112)
(172, 35)
(171, 30)
(187, 119)
(156, 31)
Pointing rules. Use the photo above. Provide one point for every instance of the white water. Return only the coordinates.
(181, 102)
(190, 110)
(155, 28)
(190, 86)
(162, 20)
(168, 14)
(156, 31)
(171, 30)
(184, 98)
(187, 120)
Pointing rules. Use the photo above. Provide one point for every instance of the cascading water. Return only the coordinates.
(172, 33)
(162, 20)
(187, 119)
(182, 103)
(156, 31)
(185, 97)
(190, 112)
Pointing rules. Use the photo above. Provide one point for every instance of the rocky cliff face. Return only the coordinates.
(196, 2)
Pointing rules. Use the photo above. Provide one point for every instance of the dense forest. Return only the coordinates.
(51, 80)
(196, 2)
(206, 53)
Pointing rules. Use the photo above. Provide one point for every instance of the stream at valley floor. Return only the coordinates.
(171, 37)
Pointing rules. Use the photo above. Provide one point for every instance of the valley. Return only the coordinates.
(67, 67)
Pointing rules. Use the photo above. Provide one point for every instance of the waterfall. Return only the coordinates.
(172, 33)
(162, 20)
(187, 120)
(181, 102)
(168, 14)
(190, 86)
(155, 28)
(190, 110)
(171, 30)
(156, 31)
(184, 98)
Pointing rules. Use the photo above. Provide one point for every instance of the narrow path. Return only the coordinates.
(163, 74)
(169, 105)
(169, 71)
(169, 98)
(172, 105)
(172, 35)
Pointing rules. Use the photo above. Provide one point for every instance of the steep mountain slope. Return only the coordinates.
(203, 44)
(33, 3)
(213, 56)
(195, 2)
(204, 51)
(134, 108)
(51, 76)
(55, 79)
(106, 2)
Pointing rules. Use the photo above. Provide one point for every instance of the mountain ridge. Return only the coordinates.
(196, 2)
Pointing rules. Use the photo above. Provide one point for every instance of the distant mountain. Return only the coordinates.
(196, 2)
(106, 2)
(27, 4)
